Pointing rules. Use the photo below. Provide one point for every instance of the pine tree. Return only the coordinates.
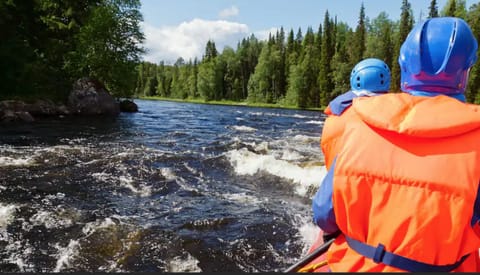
(406, 24)
(324, 77)
(450, 8)
(210, 51)
(340, 61)
(360, 37)
(433, 10)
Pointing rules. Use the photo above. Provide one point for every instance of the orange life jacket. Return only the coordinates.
(331, 132)
(407, 177)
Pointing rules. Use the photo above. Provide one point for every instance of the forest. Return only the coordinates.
(48, 44)
(301, 69)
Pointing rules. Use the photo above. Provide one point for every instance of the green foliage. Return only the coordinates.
(206, 78)
(48, 44)
(456, 8)
(473, 87)
(302, 70)
(450, 8)
(405, 25)
(380, 42)
(108, 46)
(360, 37)
(264, 83)
(295, 86)
(324, 79)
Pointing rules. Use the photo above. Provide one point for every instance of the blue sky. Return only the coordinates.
(181, 28)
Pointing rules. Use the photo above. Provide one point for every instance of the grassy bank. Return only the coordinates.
(230, 103)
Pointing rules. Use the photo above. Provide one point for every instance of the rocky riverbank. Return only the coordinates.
(88, 97)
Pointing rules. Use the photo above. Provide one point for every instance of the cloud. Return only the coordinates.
(264, 34)
(188, 39)
(232, 11)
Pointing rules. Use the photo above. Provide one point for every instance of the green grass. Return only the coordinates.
(230, 103)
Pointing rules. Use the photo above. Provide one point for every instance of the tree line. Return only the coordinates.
(47, 44)
(293, 68)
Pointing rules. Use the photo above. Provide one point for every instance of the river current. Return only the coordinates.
(176, 187)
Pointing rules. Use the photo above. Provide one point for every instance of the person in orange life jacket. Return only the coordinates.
(403, 188)
(370, 77)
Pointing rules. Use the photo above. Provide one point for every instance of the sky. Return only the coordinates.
(181, 28)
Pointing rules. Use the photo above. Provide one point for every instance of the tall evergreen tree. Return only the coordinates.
(210, 50)
(433, 9)
(340, 61)
(325, 82)
(281, 86)
(450, 8)
(360, 37)
(406, 24)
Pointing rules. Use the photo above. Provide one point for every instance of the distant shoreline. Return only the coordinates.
(229, 103)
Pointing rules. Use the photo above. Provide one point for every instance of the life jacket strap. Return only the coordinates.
(380, 255)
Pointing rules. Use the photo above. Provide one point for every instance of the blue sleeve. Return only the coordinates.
(322, 206)
(339, 104)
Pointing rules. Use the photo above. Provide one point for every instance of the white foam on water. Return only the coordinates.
(50, 220)
(18, 252)
(306, 139)
(242, 198)
(91, 227)
(291, 155)
(245, 162)
(299, 116)
(168, 173)
(318, 122)
(180, 264)
(22, 161)
(7, 214)
(101, 176)
(309, 233)
(244, 129)
(142, 190)
(65, 254)
(124, 181)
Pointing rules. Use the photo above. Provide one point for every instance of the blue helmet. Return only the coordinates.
(370, 74)
(437, 56)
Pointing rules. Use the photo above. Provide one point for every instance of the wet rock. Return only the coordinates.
(90, 97)
(45, 107)
(12, 116)
(128, 106)
(24, 116)
(12, 105)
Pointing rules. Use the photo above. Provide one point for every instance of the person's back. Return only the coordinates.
(370, 77)
(403, 188)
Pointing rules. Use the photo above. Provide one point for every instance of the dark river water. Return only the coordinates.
(176, 187)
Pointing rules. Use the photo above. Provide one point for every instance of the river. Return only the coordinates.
(176, 187)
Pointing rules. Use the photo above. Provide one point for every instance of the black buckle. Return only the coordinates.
(379, 253)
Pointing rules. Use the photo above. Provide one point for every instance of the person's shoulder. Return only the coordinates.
(339, 104)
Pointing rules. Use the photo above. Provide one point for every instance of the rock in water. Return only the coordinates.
(90, 97)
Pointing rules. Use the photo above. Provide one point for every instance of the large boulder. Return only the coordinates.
(90, 97)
